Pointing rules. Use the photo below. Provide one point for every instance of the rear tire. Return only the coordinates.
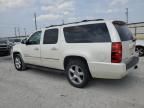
(78, 73)
(140, 50)
(19, 63)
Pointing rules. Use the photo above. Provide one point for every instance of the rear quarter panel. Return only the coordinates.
(92, 52)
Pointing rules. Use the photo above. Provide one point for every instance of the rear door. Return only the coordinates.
(127, 39)
(50, 53)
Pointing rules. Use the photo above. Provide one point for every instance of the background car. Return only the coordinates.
(5, 47)
(15, 41)
(140, 47)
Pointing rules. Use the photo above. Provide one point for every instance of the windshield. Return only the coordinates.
(11, 40)
(3, 41)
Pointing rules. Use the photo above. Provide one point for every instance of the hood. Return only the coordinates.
(140, 42)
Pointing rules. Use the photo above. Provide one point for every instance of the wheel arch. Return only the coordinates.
(15, 53)
(139, 46)
(71, 57)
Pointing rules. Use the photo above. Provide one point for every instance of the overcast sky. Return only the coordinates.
(19, 13)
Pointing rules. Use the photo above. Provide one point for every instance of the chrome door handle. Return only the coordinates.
(36, 49)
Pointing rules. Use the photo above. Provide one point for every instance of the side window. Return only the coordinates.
(124, 33)
(51, 36)
(91, 33)
(35, 38)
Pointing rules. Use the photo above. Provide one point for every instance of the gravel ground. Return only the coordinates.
(48, 89)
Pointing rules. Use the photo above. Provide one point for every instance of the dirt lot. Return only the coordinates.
(46, 89)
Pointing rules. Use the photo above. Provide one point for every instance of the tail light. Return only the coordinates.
(116, 55)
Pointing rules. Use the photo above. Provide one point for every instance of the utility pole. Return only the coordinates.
(63, 22)
(25, 31)
(15, 32)
(127, 15)
(35, 19)
(18, 31)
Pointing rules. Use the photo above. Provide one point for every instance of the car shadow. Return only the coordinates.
(47, 72)
(5, 58)
(127, 82)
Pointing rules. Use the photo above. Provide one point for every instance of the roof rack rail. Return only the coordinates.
(93, 20)
(71, 23)
(76, 22)
(52, 26)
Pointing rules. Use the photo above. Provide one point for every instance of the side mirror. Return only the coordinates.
(24, 41)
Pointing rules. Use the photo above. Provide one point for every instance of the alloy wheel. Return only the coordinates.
(140, 51)
(76, 74)
(18, 63)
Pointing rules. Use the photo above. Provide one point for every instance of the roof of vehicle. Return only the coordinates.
(85, 22)
(76, 22)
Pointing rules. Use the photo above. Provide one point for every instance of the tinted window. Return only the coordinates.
(35, 38)
(124, 33)
(51, 36)
(17, 40)
(87, 33)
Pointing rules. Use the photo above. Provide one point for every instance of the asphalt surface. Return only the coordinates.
(35, 88)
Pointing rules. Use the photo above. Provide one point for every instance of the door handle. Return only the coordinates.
(53, 48)
(36, 49)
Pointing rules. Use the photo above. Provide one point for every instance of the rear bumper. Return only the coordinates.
(112, 70)
(132, 62)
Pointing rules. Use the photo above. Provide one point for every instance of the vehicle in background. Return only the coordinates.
(5, 47)
(140, 47)
(15, 41)
(91, 48)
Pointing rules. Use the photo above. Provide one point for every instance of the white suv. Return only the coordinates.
(91, 48)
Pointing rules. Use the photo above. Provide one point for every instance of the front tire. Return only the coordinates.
(78, 73)
(19, 63)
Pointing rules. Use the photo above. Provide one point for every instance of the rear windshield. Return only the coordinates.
(90, 33)
(124, 33)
